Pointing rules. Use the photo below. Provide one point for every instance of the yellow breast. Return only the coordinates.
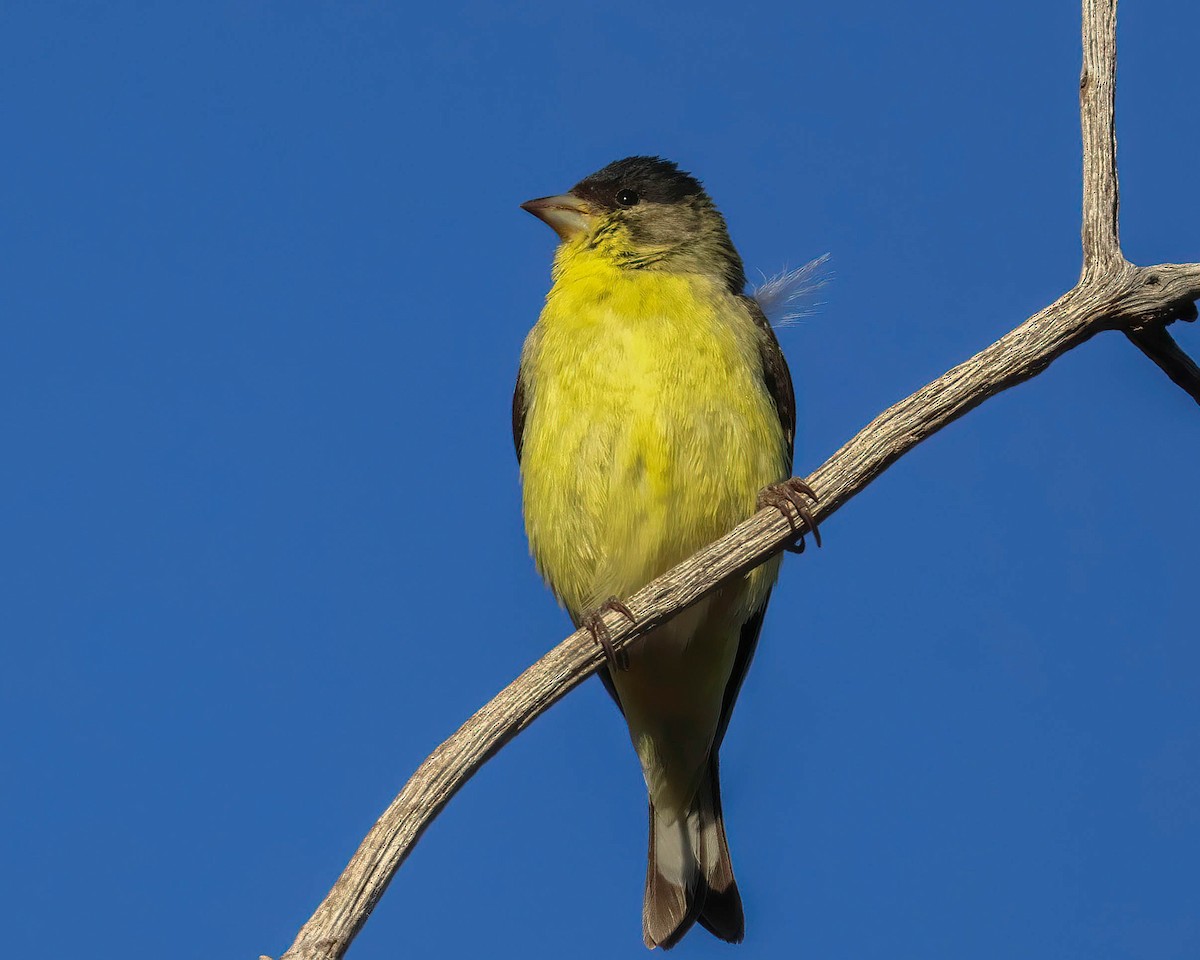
(649, 430)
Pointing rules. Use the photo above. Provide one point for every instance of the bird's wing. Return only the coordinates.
(778, 380)
(776, 376)
(518, 412)
(747, 644)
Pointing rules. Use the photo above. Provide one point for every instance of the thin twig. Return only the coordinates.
(1111, 294)
(1156, 343)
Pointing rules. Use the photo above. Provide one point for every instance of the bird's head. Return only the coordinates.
(644, 213)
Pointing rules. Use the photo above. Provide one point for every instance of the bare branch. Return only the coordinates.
(1111, 294)
(1097, 92)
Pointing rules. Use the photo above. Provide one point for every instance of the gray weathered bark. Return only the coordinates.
(1111, 294)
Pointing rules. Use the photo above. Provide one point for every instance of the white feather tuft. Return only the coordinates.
(791, 295)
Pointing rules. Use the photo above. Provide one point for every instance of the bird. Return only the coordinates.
(653, 411)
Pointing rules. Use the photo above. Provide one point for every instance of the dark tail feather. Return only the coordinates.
(722, 912)
(673, 886)
(689, 876)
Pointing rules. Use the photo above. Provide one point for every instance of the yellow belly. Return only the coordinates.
(649, 429)
(648, 434)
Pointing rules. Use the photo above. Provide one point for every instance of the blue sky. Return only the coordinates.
(265, 281)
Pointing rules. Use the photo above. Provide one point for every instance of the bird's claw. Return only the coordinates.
(788, 498)
(593, 622)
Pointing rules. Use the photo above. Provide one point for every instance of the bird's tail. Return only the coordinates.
(689, 876)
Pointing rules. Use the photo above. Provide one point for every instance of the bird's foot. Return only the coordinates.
(593, 622)
(788, 498)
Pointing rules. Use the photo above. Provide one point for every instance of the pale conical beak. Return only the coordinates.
(567, 215)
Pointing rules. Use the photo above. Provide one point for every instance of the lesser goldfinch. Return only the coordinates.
(653, 406)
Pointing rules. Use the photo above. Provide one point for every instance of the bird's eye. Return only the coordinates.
(627, 198)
